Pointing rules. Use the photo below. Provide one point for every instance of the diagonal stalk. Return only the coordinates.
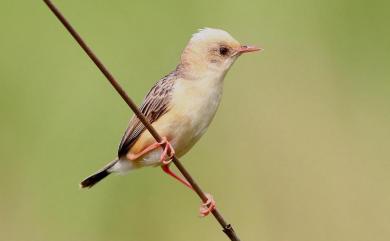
(227, 228)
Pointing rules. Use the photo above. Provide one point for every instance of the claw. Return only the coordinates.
(168, 153)
(207, 207)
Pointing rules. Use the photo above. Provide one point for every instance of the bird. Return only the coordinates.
(180, 106)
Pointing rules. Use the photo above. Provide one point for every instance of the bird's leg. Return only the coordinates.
(205, 207)
(165, 159)
(166, 155)
(167, 170)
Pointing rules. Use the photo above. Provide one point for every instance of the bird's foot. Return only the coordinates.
(166, 155)
(168, 152)
(207, 207)
(166, 158)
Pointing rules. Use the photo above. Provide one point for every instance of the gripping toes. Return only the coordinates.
(207, 207)
(168, 152)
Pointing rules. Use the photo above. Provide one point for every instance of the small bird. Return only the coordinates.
(180, 106)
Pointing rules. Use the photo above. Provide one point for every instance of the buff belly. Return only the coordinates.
(192, 110)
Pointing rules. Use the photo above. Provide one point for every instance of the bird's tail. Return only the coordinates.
(98, 176)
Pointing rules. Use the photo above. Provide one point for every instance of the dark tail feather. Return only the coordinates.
(98, 176)
(95, 178)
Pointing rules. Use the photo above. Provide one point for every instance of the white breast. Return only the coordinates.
(196, 101)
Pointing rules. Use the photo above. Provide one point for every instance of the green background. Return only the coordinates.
(299, 149)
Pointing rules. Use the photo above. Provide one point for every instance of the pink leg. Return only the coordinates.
(166, 155)
(172, 174)
(207, 207)
(165, 160)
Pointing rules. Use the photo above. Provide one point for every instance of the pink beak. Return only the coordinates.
(248, 48)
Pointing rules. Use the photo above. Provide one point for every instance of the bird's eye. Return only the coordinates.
(223, 51)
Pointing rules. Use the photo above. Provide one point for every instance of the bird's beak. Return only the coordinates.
(248, 48)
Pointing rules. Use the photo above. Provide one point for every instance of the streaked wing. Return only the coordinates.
(156, 103)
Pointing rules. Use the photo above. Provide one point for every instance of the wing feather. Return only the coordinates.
(156, 103)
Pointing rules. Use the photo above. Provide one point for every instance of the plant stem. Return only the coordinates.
(227, 228)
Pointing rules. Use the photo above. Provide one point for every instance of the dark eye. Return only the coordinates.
(223, 51)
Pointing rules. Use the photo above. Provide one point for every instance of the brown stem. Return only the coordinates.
(227, 228)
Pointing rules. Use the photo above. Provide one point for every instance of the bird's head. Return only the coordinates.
(212, 51)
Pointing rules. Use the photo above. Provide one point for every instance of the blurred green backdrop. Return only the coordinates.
(299, 149)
